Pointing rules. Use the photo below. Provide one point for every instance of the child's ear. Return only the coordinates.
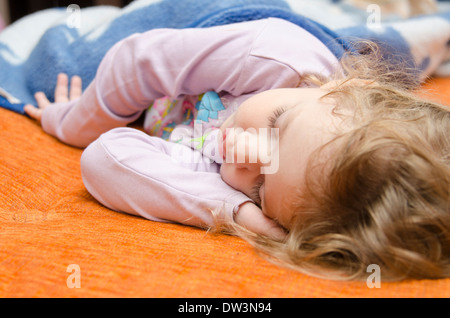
(357, 82)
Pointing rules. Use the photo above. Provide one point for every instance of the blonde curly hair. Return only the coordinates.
(383, 197)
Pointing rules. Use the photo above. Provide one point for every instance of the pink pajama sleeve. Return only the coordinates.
(148, 66)
(129, 171)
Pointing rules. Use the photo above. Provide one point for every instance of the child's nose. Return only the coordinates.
(242, 148)
(253, 150)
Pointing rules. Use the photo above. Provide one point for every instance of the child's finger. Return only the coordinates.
(33, 112)
(62, 89)
(75, 87)
(252, 218)
(41, 100)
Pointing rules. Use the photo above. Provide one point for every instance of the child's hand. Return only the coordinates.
(252, 218)
(62, 95)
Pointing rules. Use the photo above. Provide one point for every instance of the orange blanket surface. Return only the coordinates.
(54, 237)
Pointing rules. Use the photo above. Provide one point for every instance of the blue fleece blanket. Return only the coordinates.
(38, 47)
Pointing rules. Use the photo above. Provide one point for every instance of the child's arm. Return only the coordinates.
(129, 171)
(159, 63)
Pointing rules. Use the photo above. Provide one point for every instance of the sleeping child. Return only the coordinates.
(258, 130)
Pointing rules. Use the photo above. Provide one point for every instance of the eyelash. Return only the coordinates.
(275, 115)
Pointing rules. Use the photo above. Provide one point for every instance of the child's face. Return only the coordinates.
(304, 121)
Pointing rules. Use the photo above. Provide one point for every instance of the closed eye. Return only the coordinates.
(275, 115)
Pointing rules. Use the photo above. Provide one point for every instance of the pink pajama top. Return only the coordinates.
(175, 77)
